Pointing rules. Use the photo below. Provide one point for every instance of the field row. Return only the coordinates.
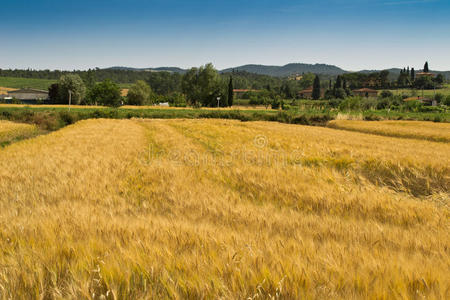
(438, 132)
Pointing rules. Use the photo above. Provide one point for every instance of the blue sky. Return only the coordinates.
(352, 34)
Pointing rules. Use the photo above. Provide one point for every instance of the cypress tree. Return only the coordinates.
(316, 88)
(230, 92)
(338, 84)
(413, 74)
(425, 68)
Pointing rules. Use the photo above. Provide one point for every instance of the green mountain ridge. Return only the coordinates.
(282, 71)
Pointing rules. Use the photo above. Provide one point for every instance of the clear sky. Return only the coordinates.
(352, 34)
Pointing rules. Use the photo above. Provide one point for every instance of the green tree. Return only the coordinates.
(203, 85)
(106, 93)
(140, 94)
(306, 81)
(316, 88)
(424, 82)
(74, 84)
(383, 79)
(439, 79)
(230, 92)
(413, 75)
(403, 79)
(89, 79)
(425, 68)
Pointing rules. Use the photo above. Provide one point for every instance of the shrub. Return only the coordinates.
(439, 97)
(334, 103)
(177, 99)
(383, 103)
(386, 94)
(447, 100)
(368, 103)
(350, 103)
(372, 117)
(254, 100)
(66, 117)
(437, 119)
(413, 105)
(276, 103)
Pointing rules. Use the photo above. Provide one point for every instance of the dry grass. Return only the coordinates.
(10, 131)
(223, 209)
(349, 116)
(439, 132)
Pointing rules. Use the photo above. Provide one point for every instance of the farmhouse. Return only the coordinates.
(307, 93)
(29, 94)
(365, 92)
(425, 74)
(296, 77)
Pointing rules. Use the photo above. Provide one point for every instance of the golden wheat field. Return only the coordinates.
(201, 209)
(10, 131)
(439, 132)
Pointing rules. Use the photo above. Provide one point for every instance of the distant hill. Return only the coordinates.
(394, 72)
(160, 69)
(281, 71)
(289, 69)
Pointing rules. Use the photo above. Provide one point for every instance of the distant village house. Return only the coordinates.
(307, 93)
(296, 77)
(425, 74)
(365, 92)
